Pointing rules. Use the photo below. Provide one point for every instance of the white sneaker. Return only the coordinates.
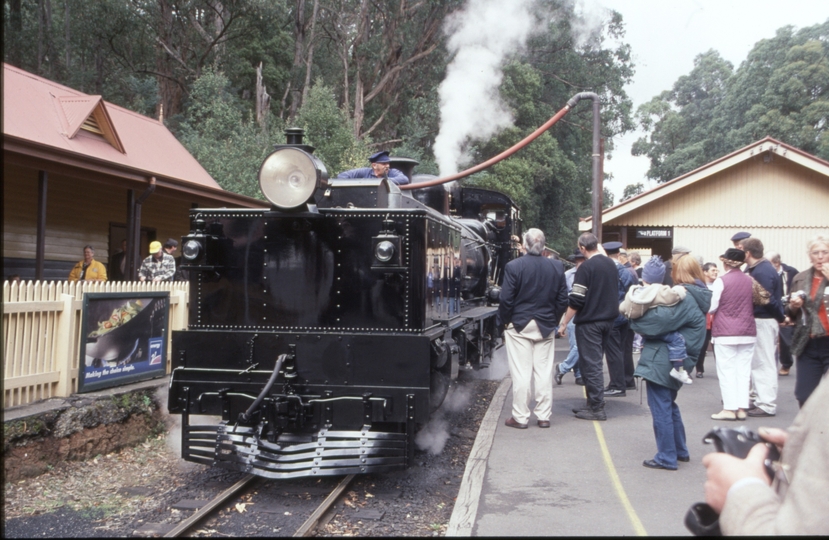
(681, 375)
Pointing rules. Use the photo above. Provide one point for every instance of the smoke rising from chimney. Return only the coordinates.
(481, 36)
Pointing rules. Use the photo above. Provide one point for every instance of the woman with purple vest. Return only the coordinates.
(734, 334)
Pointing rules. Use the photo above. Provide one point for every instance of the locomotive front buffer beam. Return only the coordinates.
(293, 420)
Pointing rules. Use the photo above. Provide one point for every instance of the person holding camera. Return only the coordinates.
(808, 308)
(794, 501)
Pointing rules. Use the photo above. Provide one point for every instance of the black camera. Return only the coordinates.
(739, 442)
(701, 519)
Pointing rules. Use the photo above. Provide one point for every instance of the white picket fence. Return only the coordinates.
(41, 333)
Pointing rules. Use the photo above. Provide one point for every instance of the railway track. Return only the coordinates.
(306, 529)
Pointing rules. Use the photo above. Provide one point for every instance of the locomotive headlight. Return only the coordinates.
(384, 251)
(191, 250)
(289, 177)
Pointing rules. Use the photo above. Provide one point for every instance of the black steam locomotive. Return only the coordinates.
(326, 328)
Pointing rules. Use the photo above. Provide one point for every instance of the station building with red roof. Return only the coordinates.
(78, 170)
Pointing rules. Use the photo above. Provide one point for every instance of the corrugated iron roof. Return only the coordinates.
(48, 114)
(767, 144)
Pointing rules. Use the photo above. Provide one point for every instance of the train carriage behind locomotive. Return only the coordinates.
(312, 330)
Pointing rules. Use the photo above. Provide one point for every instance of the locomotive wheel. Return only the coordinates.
(438, 388)
(441, 376)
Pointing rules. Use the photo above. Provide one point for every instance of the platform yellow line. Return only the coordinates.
(638, 528)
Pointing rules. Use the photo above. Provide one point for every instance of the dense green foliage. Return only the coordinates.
(781, 90)
(357, 75)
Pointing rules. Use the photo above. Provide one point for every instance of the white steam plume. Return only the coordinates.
(482, 35)
(587, 23)
(433, 436)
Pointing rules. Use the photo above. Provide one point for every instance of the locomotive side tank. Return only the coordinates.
(323, 330)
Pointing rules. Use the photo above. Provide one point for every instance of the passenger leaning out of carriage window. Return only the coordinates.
(380, 168)
(88, 269)
(808, 309)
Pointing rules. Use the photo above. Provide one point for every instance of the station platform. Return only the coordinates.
(586, 478)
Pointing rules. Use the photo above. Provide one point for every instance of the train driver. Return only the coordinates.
(379, 168)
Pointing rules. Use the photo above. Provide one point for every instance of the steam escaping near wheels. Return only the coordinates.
(432, 437)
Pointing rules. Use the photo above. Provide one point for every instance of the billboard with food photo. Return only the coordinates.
(124, 338)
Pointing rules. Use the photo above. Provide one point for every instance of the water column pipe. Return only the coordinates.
(598, 181)
(596, 157)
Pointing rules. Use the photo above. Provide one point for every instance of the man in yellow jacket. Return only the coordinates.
(88, 269)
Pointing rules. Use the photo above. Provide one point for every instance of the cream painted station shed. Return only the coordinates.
(774, 191)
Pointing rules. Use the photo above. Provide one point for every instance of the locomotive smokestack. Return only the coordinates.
(294, 135)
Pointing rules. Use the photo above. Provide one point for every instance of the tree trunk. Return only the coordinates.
(14, 16)
(309, 59)
(66, 28)
(299, 45)
(263, 100)
(16, 24)
(219, 26)
(49, 43)
(169, 91)
(362, 35)
(40, 33)
(99, 66)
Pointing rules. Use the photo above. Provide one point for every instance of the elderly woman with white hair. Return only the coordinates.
(808, 308)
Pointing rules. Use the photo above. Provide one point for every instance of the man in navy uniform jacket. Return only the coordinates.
(533, 297)
(380, 168)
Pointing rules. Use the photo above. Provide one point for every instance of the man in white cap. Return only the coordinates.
(380, 168)
(159, 266)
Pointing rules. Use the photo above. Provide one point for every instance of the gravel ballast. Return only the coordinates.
(117, 494)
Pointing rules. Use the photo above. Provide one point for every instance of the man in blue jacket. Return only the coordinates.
(380, 168)
(620, 372)
(533, 297)
(767, 319)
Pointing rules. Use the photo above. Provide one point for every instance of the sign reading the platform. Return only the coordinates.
(654, 233)
(124, 338)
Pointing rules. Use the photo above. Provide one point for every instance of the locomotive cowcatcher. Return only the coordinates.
(325, 329)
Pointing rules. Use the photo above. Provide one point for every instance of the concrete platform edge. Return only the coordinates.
(466, 505)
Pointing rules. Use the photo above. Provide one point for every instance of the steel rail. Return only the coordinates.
(204, 511)
(311, 523)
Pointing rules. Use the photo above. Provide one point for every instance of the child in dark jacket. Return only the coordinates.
(640, 298)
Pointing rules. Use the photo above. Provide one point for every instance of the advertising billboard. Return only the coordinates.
(124, 338)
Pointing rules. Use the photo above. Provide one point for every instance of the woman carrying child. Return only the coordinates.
(687, 317)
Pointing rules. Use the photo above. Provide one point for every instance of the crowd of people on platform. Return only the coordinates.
(758, 310)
